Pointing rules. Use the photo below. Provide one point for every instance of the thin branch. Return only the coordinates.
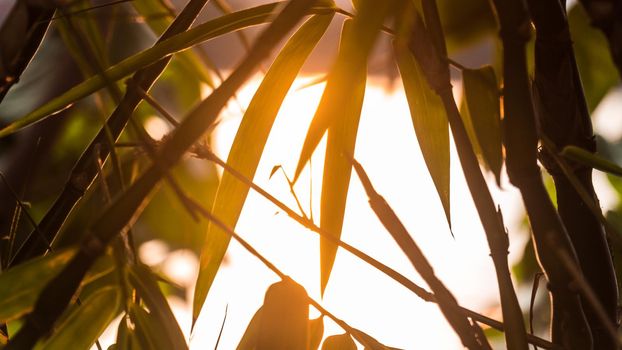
(204, 153)
(445, 299)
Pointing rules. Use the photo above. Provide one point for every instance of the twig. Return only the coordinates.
(204, 153)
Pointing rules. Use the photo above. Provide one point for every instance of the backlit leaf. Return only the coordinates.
(430, 123)
(316, 332)
(339, 342)
(482, 100)
(339, 113)
(82, 328)
(284, 317)
(248, 146)
(249, 339)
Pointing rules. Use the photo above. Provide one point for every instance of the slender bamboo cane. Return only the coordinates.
(569, 325)
(563, 118)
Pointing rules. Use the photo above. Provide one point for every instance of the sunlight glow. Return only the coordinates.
(356, 293)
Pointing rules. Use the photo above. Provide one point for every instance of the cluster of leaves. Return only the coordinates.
(90, 271)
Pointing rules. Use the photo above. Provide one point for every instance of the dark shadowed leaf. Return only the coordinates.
(598, 73)
(249, 144)
(481, 97)
(147, 287)
(582, 156)
(284, 317)
(316, 332)
(339, 342)
(81, 329)
(430, 122)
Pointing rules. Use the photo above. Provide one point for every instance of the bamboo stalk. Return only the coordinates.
(564, 119)
(436, 70)
(568, 323)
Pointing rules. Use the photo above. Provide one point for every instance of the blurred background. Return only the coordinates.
(37, 162)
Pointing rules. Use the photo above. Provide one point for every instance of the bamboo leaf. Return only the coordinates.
(87, 322)
(249, 144)
(430, 122)
(339, 342)
(147, 287)
(598, 73)
(158, 19)
(481, 97)
(209, 30)
(20, 285)
(150, 333)
(592, 160)
(372, 343)
(316, 332)
(339, 113)
(249, 339)
(353, 54)
(284, 317)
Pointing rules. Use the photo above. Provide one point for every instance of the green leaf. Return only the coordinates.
(249, 339)
(150, 333)
(481, 97)
(339, 342)
(598, 73)
(316, 332)
(206, 31)
(592, 160)
(81, 329)
(20, 285)
(339, 113)
(430, 123)
(284, 317)
(148, 289)
(248, 146)
(158, 19)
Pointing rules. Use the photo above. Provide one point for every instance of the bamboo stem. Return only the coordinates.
(568, 323)
(564, 119)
